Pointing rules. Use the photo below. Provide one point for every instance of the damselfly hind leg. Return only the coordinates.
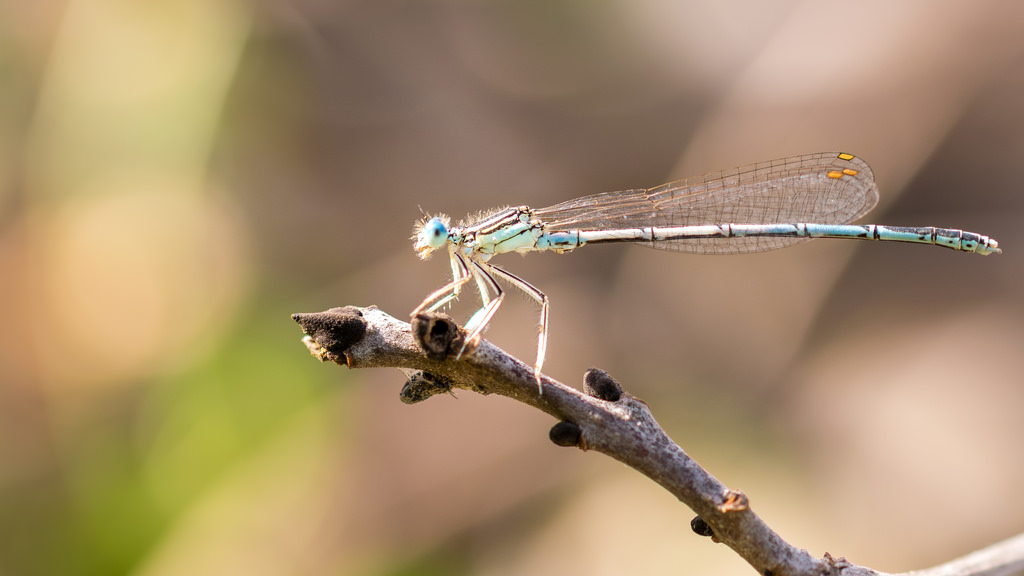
(542, 299)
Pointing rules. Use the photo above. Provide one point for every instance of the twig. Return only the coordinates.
(605, 419)
(1000, 559)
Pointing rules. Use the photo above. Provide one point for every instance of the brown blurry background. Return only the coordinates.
(178, 176)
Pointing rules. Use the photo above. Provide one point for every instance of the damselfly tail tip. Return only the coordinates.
(987, 246)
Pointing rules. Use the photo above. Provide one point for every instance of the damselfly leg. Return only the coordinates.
(448, 292)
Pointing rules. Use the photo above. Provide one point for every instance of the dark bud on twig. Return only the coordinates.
(330, 333)
(599, 384)
(565, 433)
(437, 334)
(423, 385)
(699, 526)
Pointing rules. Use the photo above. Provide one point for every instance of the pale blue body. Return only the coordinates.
(684, 216)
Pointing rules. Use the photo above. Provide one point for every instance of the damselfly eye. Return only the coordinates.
(435, 233)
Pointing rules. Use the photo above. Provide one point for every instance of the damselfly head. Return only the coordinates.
(430, 234)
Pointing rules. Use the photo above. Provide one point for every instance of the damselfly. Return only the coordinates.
(748, 209)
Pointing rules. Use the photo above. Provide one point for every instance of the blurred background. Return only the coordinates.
(178, 176)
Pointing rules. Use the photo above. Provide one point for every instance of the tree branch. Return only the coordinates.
(604, 418)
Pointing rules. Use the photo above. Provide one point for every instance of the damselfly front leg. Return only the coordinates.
(448, 292)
